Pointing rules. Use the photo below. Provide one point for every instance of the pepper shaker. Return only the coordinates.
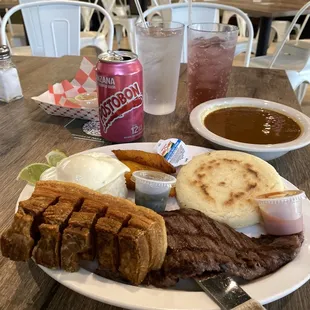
(10, 88)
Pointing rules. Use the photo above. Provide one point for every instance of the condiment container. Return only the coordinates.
(152, 189)
(87, 100)
(282, 212)
(10, 88)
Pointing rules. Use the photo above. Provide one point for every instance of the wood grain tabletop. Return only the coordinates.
(8, 4)
(264, 8)
(27, 134)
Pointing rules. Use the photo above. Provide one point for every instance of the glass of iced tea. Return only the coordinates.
(211, 49)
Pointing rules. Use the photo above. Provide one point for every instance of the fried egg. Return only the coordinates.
(96, 171)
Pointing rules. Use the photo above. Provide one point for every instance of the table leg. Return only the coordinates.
(264, 34)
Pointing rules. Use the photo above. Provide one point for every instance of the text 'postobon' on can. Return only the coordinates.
(120, 96)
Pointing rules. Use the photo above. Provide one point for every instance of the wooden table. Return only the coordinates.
(8, 4)
(266, 10)
(28, 133)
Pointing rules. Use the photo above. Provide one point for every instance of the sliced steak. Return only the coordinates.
(199, 246)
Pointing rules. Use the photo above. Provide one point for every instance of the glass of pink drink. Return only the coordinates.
(211, 49)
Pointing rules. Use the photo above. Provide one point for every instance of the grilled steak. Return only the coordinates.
(199, 246)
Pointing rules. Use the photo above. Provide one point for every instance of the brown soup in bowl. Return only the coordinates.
(252, 125)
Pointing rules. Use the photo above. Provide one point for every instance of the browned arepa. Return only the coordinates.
(223, 185)
(58, 224)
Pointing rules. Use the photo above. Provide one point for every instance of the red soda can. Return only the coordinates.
(120, 97)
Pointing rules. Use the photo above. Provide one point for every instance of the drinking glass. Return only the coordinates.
(211, 49)
(159, 47)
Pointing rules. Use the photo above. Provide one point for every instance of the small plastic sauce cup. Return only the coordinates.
(152, 189)
(87, 100)
(282, 212)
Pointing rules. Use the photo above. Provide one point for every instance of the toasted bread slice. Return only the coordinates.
(134, 254)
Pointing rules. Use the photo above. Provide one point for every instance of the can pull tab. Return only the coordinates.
(111, 56)
(116, 56)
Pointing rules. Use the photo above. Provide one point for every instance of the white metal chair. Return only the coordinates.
(242, 37)
(279, 27)
(53, 27)
(164, 15)
(278, 30)
(294, 57)
(122, 21)
(157, 15)
(227, 15)
(202, 12)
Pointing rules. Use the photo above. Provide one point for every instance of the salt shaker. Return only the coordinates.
(10, 88)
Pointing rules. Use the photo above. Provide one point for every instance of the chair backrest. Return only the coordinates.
(53, 27)
(202, 12)
(240, 22)
(87, 13)
(288, 32)
(302, 27)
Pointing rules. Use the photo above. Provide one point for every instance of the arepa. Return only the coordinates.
(222, 184)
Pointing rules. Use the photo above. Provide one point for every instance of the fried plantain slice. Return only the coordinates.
(145, 158)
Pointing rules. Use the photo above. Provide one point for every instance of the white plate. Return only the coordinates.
(264, 151)
(186, 296)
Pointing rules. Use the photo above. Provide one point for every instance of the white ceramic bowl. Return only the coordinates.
(264, 151)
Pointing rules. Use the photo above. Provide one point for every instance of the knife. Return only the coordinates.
(226, 292)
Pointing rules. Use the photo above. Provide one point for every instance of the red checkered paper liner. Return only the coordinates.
(60, 96)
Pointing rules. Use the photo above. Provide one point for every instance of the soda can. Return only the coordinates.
(120, 96)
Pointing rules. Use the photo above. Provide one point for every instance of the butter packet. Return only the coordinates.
(174, 151)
